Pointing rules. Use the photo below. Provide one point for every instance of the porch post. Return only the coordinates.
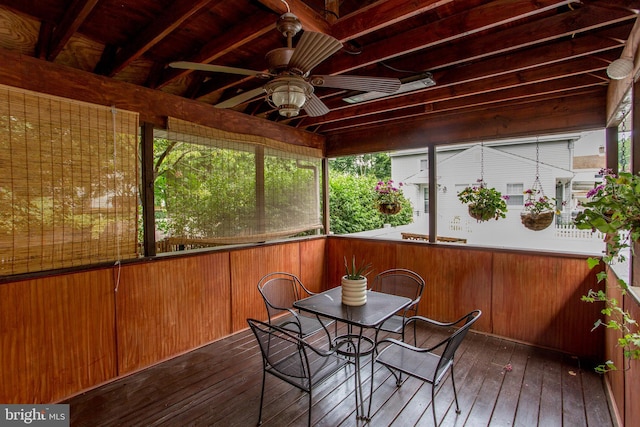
(611, 148)
(148, 202)
(433, 194)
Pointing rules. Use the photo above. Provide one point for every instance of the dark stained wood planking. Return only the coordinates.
(219, 385)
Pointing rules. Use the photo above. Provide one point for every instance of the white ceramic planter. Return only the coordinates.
(354, 292)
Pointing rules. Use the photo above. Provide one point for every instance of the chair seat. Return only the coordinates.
(291, 371)
(310, 325)
(420, 365)
(393, 324)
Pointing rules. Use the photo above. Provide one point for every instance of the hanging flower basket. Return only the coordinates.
(537, 221)
(390, 208)
(483, 203)
(480, 214)
(538, 209)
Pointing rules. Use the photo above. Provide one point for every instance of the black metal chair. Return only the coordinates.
(402, 282)
(287, 356)
(279, 291)
(423, 363)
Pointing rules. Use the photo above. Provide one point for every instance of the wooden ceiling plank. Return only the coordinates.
(568, 114)
(75, 16)
(236, 37)
(592, 44)
(485, 71)
(380, 15)
(162, 26)
(548, 90)
(523, 78)
(309, 18)
(500, 42)
(443, 32)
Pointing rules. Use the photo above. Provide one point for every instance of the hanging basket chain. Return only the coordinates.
(537, 185)
(482, 163)
(536, 220)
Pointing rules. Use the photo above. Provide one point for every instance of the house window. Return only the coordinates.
(424, 164)
(425, 190)
(515, 193)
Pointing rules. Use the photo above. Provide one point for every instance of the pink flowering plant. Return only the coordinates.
(387, 193)
(613, 208)
(537, 202)
(484, 203)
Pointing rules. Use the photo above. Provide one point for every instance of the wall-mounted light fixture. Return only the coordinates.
(620, 69)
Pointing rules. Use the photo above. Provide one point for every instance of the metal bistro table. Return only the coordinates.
(372, 315)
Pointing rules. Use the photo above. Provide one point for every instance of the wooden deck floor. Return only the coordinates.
(219, 385)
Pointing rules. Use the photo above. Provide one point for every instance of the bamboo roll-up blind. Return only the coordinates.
(68, 182)
(222, 185)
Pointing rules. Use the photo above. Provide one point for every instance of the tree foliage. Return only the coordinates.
(353, 208)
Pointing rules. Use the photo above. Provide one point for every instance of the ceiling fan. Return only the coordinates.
(290, 87)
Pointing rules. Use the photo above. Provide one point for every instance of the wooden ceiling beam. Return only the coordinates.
(475, 87)
(446, 31)
(519, 94)
(73, 18)
(574, 56)
(566, 114)
(232, 40)
(161, 27)
(310, 19)
(380, 15)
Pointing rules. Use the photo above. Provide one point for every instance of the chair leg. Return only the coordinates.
(264, 375)
(433, 404)
(455, 394)
(309, 422)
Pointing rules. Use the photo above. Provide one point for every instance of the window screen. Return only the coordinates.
(221, 188)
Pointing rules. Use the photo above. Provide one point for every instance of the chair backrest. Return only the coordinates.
(279, 291)
(282, 352)
(402, 282)
(454, 341)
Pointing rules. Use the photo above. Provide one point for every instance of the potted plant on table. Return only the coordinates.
(484, 203)
(354, 282)
(538, 210)
(613, 208)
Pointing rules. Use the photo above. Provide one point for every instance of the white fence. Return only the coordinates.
(569, 231)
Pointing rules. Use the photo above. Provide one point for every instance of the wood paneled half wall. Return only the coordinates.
(62, 334)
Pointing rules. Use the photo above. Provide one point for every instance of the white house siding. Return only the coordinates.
(502, 165)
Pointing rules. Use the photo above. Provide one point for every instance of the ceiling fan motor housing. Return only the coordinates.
(288, 24)
(278, 59)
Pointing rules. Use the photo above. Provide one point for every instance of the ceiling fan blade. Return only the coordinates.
(315, 107)
(239, 99)
(312, 49)
(214, 68)
(360, 83)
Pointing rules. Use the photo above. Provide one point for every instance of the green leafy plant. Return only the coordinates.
(613, 208)
(355, 272)
(484, 203)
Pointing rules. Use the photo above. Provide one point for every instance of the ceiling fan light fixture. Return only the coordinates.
(620, 68)
(288, 95)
